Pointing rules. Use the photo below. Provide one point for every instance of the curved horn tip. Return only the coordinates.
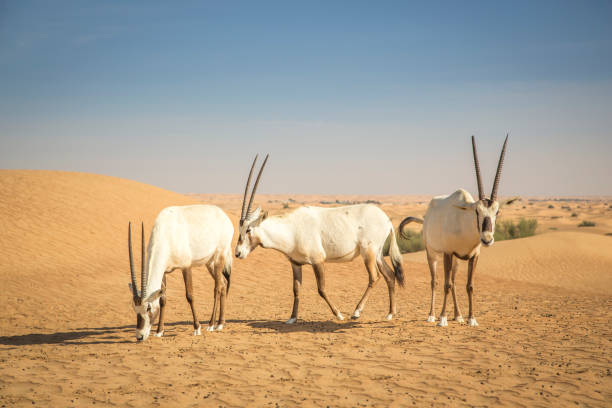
(246, 189)
(248, 208)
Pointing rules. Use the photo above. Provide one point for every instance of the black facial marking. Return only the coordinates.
(486, 225)
(139, 322)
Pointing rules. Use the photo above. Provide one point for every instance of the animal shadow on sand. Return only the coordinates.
(304, 326)
(122, 334)
(79, 336)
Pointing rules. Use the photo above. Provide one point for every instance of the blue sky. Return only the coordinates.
(347, 97)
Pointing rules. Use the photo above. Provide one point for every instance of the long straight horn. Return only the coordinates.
(499, 169)
(477, 165)
(143, 277)
(246, 190)
(133, 275)
(256, 184)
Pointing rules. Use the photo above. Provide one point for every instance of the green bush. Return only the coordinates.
(586, 224)
(412, 243)
(574, 214)
(511, 230)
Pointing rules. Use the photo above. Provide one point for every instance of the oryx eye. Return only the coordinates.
(149, 308)
(248, 231)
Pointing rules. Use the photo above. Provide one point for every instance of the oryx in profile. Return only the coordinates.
(182, 237)
(315, 235)
(456, 226)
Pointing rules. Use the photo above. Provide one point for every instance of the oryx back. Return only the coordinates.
(339, 234)
(193, 234)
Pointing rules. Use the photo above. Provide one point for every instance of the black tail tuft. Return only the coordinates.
(399, 271)
(227, 272)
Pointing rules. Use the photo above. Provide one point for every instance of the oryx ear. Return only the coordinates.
(462, 207)
(254, 215)
(510, 201)
(265, 215)
(156, 295)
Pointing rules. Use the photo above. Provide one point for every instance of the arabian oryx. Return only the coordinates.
(315, 235)
(456, 226)
(182, 237)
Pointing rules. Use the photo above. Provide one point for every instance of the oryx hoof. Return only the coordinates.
(443, 321)
(159, 334)
(389, 316)
(459, 319)
(219, 327)
(356, 314)
(291, 320)
(339, 316)
(210, 328)
(472, 322)
(197, 331)
(431, 319)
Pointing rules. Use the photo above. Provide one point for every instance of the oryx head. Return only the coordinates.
(145, 305)
(487, 209)
(249, 220)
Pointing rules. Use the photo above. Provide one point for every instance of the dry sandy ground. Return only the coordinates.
(544, 305)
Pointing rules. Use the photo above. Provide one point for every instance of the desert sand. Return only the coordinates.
(544, 305)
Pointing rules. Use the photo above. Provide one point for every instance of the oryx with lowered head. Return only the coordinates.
(455, 227)
(182, 237)
(315, 235)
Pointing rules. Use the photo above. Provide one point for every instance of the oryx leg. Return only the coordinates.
(297, 284)
(370, 263)
(458, 318)
(212, 269)
(162, 309)
(448, 259)
(320, 275)
(220, 283)
(187, 277)
(389, 276)
(470, 289)
(432, 261)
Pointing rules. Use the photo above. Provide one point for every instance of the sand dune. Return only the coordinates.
(571, 260)
(67, 328)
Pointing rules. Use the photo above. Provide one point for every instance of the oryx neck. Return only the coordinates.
(276, 233)
(157, 261)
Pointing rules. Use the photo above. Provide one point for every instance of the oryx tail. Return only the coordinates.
(227, 268)
(396, 258)
(408, 220)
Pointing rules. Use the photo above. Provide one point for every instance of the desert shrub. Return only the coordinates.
(551, 206)
(609, 234)
(511, 230)
(586, 224)
(554, 217)
(553, 228)
(412, 243)
(285, 205)
(574, 214)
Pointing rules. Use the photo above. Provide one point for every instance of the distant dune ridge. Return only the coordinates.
(66, 330)
(571, 260)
